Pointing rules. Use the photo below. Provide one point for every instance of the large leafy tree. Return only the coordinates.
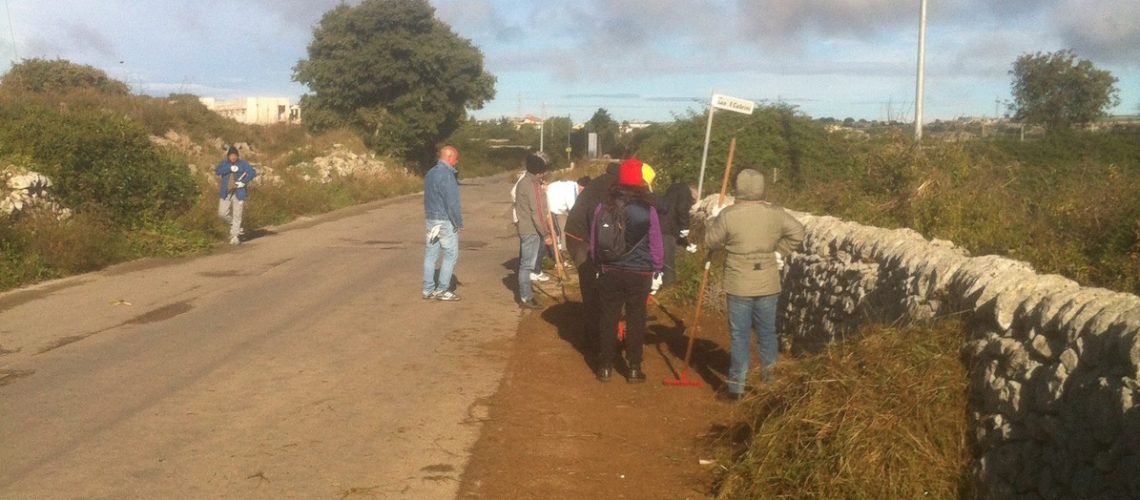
(1058, 90)
(392, 71)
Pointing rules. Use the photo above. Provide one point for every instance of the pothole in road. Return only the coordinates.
(9, 376)
(160, 314)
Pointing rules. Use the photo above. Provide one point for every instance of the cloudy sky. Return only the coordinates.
(639, 59)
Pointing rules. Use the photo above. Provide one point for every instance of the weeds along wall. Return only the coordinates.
(1053, 366)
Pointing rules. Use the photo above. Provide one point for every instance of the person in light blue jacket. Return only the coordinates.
(444, 223)
(231, 203)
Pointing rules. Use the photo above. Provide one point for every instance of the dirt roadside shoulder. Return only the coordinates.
(555, 432)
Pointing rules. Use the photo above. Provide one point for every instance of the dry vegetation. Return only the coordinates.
(880, 416)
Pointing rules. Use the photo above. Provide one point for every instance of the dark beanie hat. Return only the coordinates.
(535, 164)
(630, 173)
(232, 151)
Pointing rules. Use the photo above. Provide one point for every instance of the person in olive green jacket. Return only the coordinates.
(751, 232)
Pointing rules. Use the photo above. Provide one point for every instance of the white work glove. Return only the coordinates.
(684, 233)
(779, 261)
(692, 248)
(433, 234)
(656, 283)
(233, 168)
(239, 184)
(716, 209)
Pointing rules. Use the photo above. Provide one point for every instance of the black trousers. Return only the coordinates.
(591, 312)
(620, 289)
(670, 271)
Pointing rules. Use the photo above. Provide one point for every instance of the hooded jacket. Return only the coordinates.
(751, 231)
(245, 173)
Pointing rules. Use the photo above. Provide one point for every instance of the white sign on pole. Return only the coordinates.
(733, 104)
(729, 104)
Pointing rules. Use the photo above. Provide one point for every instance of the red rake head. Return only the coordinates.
(683, 380)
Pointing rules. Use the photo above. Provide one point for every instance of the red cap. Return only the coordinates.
(630, 173)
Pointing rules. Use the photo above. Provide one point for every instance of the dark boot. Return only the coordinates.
(636, 376)
(604, 372)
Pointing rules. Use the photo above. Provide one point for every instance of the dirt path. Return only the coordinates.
(554, 432)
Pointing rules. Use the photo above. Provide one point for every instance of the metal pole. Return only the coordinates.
(569, 128)
(705, 155)
(921, 73)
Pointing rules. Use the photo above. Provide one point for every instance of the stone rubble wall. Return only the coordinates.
(1053, 366)
(25, 192)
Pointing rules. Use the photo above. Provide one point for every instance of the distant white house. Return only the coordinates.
(629, 127)
(255, 110)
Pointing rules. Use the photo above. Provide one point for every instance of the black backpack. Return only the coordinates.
(609, 237)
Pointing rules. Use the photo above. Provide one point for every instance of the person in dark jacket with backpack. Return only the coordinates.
(577, 232)
(625, 244)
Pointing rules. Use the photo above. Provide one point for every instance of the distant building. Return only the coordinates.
(629, 127)
(527, 121)
(255, 110)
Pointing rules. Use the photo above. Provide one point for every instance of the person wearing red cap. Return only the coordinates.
(626, 279)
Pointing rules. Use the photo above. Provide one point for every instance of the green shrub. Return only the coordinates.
(97, 160)
(56, 76)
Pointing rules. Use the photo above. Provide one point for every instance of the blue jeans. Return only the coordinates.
(448, 242)
(529, 244)
(745, 314)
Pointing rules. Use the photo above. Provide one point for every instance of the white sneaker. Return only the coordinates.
(235, 241)
(539, 277)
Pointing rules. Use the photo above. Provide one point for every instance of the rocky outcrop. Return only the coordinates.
(26, 192)
(340, 162)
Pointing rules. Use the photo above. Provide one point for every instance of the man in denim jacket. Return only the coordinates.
(444, 223)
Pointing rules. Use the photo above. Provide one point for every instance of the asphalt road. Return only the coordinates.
(303, 364)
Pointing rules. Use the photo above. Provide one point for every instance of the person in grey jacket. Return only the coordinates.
(751, 232)
(444, 223)
(533, 226)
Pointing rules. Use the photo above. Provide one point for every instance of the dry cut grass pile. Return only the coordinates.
(879, 416)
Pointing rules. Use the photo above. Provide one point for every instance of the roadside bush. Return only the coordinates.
(98, 161)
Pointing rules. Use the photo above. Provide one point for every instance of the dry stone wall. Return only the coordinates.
(1053, 366)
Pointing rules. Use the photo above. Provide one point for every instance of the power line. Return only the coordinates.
(12, 32)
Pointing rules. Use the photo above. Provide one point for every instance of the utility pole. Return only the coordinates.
(569, 128)
(921, 73)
